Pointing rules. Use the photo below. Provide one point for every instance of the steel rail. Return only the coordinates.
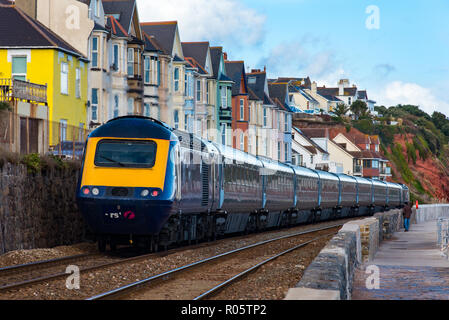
(42, 263)
(226, 283)
(166, 275)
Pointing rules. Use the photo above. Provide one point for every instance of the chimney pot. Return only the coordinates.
(225, 56)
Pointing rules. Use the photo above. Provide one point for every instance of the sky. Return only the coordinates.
(397, 50)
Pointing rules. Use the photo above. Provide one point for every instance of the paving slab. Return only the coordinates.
(411, 267)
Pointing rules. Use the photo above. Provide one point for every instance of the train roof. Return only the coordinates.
(327, 175)
(361, 180)
(379, 183)
(275, 166)
(394, 185)
(133, 127)
(305, 172)
(346, 178)
(237, 155)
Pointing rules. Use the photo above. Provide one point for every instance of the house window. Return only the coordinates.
(64, 78)
(130, 62)
(207, 92)
(286, 152)
(146, 107)
(176, 78)
(249, 113)
(116, 110)
(19, 68)
(78, 83)
(376, 147)
(242, 110)
(198, 90)
(375, 164)
(279, 151)
(223, 133)
(286, 124)
(63, 130)
(367, 146)
(147, 70)
(130, 106)
(94, 57)
(265, 117)
(97, 8)
(94, 104)
(186, 82)
(242, 142)
(224, 97)
(115, 58)
(176, 119)
(349, 100)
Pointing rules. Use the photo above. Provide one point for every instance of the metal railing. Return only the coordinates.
(11, 89)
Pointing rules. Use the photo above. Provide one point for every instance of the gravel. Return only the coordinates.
(99, 281)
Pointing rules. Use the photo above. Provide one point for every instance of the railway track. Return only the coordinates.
(192, 277)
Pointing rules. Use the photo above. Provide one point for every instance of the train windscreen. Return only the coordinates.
(126, 153)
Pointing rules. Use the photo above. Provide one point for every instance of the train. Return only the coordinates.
(144, 183)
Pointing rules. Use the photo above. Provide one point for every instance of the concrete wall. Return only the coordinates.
(431, 212)
(330, 275)
(38, 211)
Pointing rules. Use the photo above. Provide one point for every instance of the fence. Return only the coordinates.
(11, 89)
(25, 135)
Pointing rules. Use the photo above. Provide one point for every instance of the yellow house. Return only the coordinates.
(31, 52)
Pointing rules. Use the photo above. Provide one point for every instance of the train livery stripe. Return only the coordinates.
(126, 177)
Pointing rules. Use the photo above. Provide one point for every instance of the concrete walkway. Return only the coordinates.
(411, 268)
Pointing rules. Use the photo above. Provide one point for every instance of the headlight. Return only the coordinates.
(145, 193)
(95, 191)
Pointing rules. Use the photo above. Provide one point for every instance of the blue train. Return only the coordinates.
(144, 183)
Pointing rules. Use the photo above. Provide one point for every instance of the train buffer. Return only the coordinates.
(411, 265)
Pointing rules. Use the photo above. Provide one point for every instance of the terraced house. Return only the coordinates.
(240, 105)
(29, 51)
(198, 55)
(172, 71)
(223, 96)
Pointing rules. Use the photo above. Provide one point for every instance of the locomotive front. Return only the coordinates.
(126, 187)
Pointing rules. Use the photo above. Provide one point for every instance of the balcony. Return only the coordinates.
(11, 89)
(358, 169)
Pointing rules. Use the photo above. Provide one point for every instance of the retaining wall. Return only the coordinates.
(330, 275)
(38, 210)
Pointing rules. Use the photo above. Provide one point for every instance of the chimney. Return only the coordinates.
(264, 68)
(341, 88)
(28, 6)
(225, 56)
(255, 70)
(314, 88)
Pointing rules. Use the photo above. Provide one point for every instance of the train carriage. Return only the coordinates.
(329, 193)
(307, 191)
(379, 195)
(394, 195)
(278, 190)
(347, 195)
(240, 187)
(365, 196)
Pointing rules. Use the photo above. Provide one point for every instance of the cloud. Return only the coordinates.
(219, 21)
(399, 92)
(384, 70)
(311, 56)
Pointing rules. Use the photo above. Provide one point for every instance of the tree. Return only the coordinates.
(341, 110)
(439, 119)
(381, 110)
(359, 108)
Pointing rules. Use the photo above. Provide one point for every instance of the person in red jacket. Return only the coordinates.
(407, 213)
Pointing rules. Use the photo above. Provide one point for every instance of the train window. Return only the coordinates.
(125, 153)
